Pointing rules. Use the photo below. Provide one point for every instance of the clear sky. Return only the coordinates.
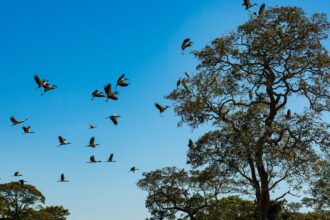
(83, 45)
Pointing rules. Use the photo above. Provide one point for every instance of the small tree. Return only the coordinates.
(243, 85)
(18, 200)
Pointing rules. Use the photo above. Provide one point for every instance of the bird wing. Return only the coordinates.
(37, 79)
(92, 141)
(262, 9)
(61, 139)
(111, 157)
(13, 119)
(158, 106)
(107, 89)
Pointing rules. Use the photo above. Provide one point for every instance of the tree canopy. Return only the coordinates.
(244, 85)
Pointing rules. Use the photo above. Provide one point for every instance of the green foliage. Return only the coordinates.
(24, 202)
(243, 85)
(18, 199)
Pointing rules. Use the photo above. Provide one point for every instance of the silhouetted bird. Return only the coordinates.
(109, 93)
(48, 88)
(16, 174)
(161, 108)
(288, 114)
(110, 160)
(178, 82)
(16, 122)
(185, 44)
(22, 182)
(62, 141)
(114, 119)
(92, 143)
(133, 169)
(261, 10)
(97, 94)
(184, 83)
(248, 4)
(27, 130)
(93, 160)
(62, 179)
(122, 81)
(40, 83)
(92, 126)
(250, 95)
(190, 143)
(187, 75)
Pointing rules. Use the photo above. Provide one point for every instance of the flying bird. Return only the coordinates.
(109, 93)
(97, 94)
(248, 4)
(110, 160)
(27, 130)
(40, 83)
(133, 169)
(261, 10)
(161, 108)
(15, 121)
(62, 141)
(16, 174)
(47, 87)
(92, 126)
(92, 143)
(114, 119)
(122, 81)
(185, 44)
(63, 179)
(93, 160)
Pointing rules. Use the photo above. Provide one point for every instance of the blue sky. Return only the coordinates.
(80, 46)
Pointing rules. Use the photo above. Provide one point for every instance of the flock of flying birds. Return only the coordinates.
(112, 94)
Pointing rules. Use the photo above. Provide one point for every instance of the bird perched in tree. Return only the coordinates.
(178, 83)
(40, 83)
(161, 108)
(248, 4)
(47, 87)
(16, 122)
(97, 94)
(190, 143)
(16, 174)
(109, 93)
(92, 143)
(110, 160)
(122, 81)
(133, 169)
(114, 119)
(92, 127)
(288, 114)
(22, 182)
(184, 83)
(261, 10)
(185, 44)
(62, 179)
(27, 130)
(93, 160)
(250, 95)
(62, 141)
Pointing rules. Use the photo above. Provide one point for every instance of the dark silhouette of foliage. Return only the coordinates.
(24, 202)
(243, 85)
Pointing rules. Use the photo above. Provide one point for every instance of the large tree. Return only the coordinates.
(244, 84)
